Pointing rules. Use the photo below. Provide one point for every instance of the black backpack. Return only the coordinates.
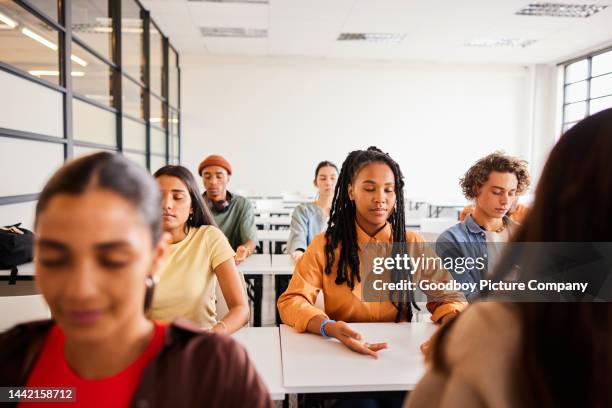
(16, 246)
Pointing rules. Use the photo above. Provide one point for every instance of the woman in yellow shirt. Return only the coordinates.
(368, 208)
(198, 256)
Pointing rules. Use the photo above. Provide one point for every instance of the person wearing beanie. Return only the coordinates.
(233, 214)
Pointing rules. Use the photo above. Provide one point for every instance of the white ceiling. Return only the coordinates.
(436, 30)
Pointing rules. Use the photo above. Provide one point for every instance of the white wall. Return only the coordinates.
(545, 113)
(275, 118)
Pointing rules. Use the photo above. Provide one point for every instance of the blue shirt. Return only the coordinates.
(468, 240)
(307, 220)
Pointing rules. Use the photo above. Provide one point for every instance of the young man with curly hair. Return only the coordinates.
(493, 183)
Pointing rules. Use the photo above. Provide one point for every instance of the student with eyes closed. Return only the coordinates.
(233, 214)
(368, 207)
(494, 184)
(310, 219)
(502, 353)
(98, 245)
(198, 257)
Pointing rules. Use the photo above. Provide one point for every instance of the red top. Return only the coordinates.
(52, 370)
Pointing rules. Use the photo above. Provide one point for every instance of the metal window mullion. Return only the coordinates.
(94, 52)
(18, 199)
(178, 95)
(588, 95)
(24, 135)
(32, 9)
(24, 75)
(92, 102)
(134, 118)
(165, 90)
(114, 7)
(131, 78)
(66, 70)
(146, 21)
(94, 145)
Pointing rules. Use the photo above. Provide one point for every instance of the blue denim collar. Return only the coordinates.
(471, 225)
(474, 228)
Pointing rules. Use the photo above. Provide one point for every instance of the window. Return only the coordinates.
(174, 136)
(587, 87)
(93, 124)
(95, 77)
(156, 47)
(92, 24)
(49, 8)
(132, 40)
(132, 98)
(28, 43)
(134, 135)
(173, 78)
(43, 97)
(157, 112)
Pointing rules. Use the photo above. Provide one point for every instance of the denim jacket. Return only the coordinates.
(467, 239)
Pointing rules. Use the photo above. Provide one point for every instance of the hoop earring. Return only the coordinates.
(150, 283)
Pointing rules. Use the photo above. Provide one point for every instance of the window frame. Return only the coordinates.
(63, 26)
(564, 83)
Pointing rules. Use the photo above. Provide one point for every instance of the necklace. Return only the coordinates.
(503, 227)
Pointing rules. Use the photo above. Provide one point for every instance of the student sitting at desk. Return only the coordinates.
(233, 214)
(541, 354)
(198, 256)
(98, 245)
(368, 207)
(310, 219)
(493, 183)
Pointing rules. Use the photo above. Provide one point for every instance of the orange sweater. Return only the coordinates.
(296, 304)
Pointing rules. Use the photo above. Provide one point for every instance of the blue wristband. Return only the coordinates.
(322, 327)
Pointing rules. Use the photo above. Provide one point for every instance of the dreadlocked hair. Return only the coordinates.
(341, 229)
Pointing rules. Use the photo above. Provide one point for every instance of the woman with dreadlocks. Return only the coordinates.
(368, 208)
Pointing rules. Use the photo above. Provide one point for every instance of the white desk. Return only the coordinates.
(436, 207)
(263, 346)
(282, 265)
(312, 364)
(272, 237)
(413, 222)
(257, 264)
(272, 212)
(269, 222)
(22, 270)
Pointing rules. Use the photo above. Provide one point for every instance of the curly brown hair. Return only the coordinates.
(478, 174)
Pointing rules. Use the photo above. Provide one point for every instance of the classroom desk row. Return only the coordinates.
(275, 229)
(272, 223)
(254, 268)
(273, 212)
(272, 237)
(290, 362)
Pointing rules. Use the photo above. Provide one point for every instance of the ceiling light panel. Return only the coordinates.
(372, 37)
(500, 42)
(234, 32)
(561, 10)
